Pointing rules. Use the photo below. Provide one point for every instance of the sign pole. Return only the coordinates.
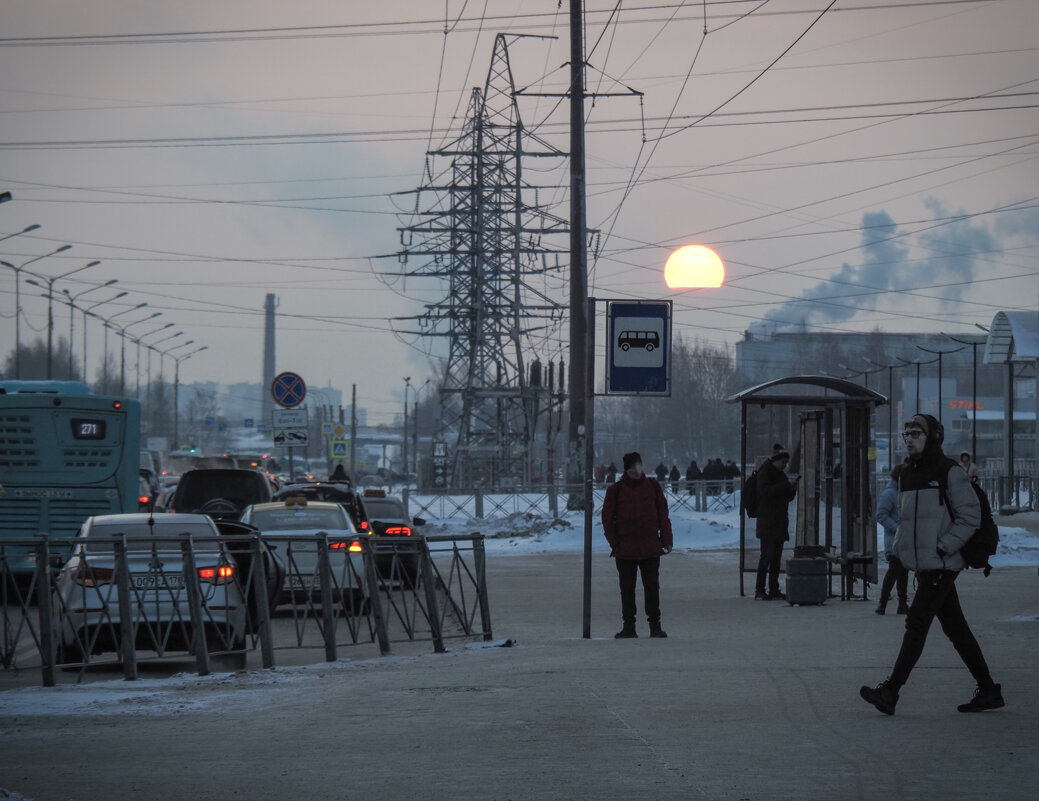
(589, 462)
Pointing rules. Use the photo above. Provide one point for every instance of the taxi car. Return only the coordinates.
(299, 527)
(86, 596)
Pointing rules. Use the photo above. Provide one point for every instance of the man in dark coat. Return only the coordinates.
(636, 524)
(693, 475)
(661, 471)
(775, 491)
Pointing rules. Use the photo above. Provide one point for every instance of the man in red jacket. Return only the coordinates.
(637, 526)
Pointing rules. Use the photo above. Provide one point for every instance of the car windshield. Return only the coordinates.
(384, 509)
(100, 537)
(297, 518)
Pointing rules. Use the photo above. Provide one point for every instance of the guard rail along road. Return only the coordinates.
(254, 597)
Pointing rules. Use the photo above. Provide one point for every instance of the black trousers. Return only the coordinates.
(768, 564)
(936, 597)
(896, 577)
(628, 570)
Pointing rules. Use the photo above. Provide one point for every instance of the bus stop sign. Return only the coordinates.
(288, 390)
(638, 348)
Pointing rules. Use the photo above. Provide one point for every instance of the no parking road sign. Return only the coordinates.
(288, 390)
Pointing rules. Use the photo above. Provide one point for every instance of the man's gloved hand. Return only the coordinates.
(665, 548)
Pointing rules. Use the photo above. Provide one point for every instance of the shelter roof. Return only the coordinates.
(815, 389)
(1013, 337)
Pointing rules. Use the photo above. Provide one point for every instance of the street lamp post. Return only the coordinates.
(88, 312)
(107, 325)
(50, 308)
(906, 362)
(974, 394)
(18, 303)
(71, 301)
(176, 390)
(939, 353)
(890, 410)
(122, 348)
(139, 343)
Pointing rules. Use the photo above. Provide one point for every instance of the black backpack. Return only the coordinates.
(749, 495)
(985, 540)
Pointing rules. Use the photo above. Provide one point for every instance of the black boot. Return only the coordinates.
(656, 631)
(881, 607)
(903, 607)
(883, 696)
(626, 633)
(985, 698)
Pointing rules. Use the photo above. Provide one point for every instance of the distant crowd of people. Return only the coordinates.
(718, 475)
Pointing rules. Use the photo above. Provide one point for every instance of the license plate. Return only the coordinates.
(154, 581)
(297, 582)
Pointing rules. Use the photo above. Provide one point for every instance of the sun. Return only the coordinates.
(694, 267)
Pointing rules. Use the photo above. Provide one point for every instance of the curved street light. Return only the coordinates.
(176, 389)
(26, 230)
(122, 348)
(71, 299)
(18, 303)
(50, 308)
(88, 312)
(107, 324)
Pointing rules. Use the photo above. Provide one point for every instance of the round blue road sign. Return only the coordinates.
(288, 390)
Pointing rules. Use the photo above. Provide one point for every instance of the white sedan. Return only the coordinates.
(86, 596)
(298, 528)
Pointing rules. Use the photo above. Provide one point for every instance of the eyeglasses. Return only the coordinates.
(915, 433)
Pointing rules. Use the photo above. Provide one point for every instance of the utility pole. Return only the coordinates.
(578, 264)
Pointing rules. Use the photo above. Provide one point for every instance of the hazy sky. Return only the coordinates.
(855, 167)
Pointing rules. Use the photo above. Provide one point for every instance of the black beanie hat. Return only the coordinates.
(631, 459)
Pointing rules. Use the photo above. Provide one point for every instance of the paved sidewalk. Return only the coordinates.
(745, 701)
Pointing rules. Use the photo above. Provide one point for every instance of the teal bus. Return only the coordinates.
(65, 454)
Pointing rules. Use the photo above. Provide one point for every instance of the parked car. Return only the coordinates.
(340, 492)
(86, 602)
(388, 517)
(220, 493)
(294, 526)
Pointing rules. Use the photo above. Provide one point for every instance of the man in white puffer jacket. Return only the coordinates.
(938, 513)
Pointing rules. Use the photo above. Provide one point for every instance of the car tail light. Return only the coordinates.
(88, 576)
(144, 499)
(221, 574)
(364, 525)
(341, 545)
(398, 531)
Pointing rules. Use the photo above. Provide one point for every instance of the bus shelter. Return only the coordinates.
(827, 425)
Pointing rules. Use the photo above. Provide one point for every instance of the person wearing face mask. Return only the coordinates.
(636, 524)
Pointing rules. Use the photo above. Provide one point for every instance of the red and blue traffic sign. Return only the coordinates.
(288, 390)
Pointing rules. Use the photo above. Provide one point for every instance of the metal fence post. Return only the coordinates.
(553, 501)
(480, 565)
(327, 610)
(263, 608)
(194, 592)
(371, 577)
(478, 502)
(426, 567)
(43, 603)
(127, 644)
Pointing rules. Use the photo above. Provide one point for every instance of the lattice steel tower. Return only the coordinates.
(479, 229)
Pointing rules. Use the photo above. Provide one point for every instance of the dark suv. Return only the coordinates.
(222, 494)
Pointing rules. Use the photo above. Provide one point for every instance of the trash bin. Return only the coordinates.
(807, 580)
